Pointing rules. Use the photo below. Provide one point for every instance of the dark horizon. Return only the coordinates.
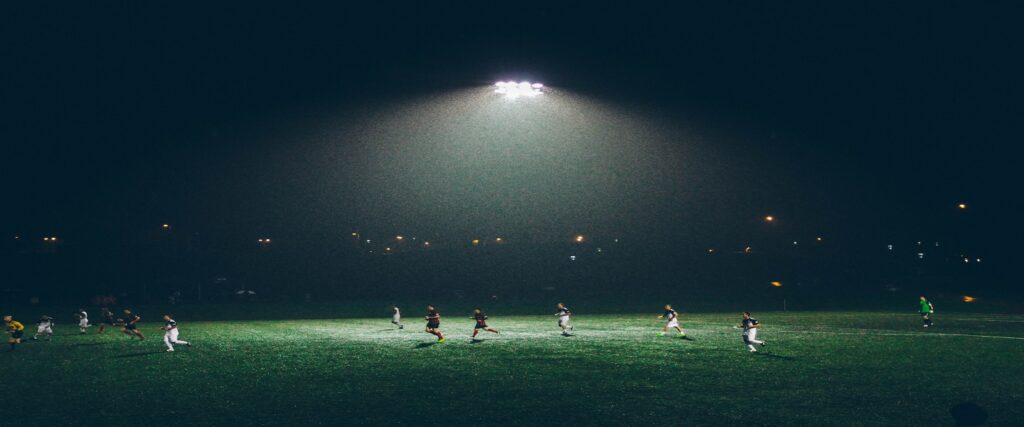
(863, 123)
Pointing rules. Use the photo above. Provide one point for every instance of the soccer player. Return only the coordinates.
(44, 327)
(672, 321)
(481, 323)
(171, 333)
(16, 329)
(564, 319)
(83, 320)
(926, 309)
(434, 323)
(396, 317)
(750, 326)
(108, 319)
(130, 327)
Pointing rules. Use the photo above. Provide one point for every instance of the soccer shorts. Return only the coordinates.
(563, 321)
(130, 326)
(749, 335)
(480, 325)
(17, 334)
(44, 330)
(674, 323)
(433, 325)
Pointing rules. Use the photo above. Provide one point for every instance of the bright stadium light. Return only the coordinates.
(513, 90)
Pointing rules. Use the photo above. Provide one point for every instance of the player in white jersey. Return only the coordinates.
(396, 317)
(750, 326)
(44, 327)
(564, 319)
(171, 333)
(672, 321)
(83, 320)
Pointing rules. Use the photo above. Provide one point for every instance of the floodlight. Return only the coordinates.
(513, 90)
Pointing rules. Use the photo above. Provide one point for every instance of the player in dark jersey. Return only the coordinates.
(44, 327)
(15, 329)
(481, 323)
(108, 320)
(564, 319)
(750, 326)
(434, 323)
(672, 321)
(130, 327)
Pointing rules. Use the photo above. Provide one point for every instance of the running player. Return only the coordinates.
(171, 333)
(750, 326)
(130, 327)
(108, 319)
(564, 319)
(926, 309)
(44, 327)
(396, 317)
(672, 322)
(83, 320)
(434, 323)
(16, 329)
(481, 323)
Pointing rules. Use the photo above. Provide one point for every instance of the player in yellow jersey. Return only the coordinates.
(16, 329)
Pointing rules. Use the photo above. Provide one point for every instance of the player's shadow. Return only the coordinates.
(425, 344)
(773, 356)
(90, 344)
(476, 341)
(139, 354)
(687, 339)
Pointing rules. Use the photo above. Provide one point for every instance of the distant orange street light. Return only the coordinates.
(777, 284)
(968, 298)
(962, 205)
(579, 238)
(769, 218)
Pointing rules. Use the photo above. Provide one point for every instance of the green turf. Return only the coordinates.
(820, 368)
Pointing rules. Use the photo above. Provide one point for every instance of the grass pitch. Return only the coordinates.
(820, 368)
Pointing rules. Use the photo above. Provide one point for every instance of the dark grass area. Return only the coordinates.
(820, 368)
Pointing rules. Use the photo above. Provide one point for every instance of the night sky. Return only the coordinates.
(867, 122)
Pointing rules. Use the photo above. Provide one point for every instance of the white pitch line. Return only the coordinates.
(904, 334)
(986, 320)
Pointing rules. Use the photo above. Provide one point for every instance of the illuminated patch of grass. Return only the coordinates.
(822, 368)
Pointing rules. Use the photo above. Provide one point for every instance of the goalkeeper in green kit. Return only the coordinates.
(926, 309)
